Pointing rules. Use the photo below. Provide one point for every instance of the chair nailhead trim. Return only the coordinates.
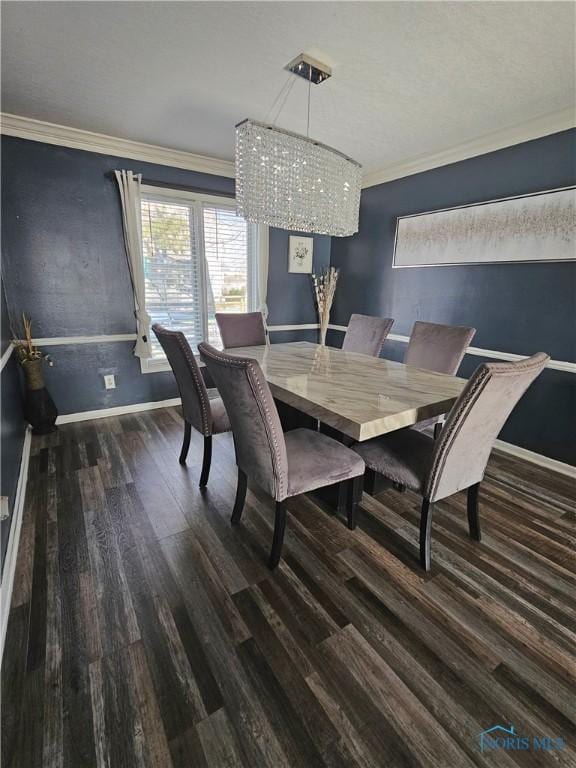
(455, 420)
(198, 383)
(280, 480)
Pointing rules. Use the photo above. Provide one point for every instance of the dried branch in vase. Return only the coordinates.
(26, 352)
(324, 290)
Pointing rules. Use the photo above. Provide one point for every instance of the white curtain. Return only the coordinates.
(129, 184)
(262, 255)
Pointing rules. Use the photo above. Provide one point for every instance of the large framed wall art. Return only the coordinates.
(534, 227)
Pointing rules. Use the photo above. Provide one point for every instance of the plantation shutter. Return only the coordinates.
(172, 269)
(226, 247)
(199, 259)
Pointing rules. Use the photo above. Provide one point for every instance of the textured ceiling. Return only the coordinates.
(410, 78)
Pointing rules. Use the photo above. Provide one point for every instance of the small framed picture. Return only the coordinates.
(300, 254)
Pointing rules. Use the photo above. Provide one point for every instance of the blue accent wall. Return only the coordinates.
(516, 308)
(13, 426)
(64, 265)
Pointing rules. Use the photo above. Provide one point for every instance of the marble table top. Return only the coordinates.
(358, 395)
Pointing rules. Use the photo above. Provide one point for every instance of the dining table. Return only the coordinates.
(357, 395)
(350, 396)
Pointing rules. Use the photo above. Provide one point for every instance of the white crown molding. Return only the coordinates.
(517, 134)
(6, 356)
(64, 136)
(76, 138)
(14, 540)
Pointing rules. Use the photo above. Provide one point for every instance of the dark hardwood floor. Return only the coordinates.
(145, 631)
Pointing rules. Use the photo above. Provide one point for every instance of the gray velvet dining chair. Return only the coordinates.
(440, 348)
(283, 465)
(437, 347)
(207, 416)
(366, 334)
(241, 329)
(457, 459)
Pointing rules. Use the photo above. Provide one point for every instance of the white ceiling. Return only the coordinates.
(410, 78)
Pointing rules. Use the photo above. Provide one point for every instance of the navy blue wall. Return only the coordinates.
(13, 425)
(517, 308)
(64, 265)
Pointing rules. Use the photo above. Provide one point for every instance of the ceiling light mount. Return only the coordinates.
(312, 70)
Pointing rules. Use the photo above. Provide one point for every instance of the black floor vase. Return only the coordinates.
(39, 408)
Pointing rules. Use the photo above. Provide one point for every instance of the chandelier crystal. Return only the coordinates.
(292, 182)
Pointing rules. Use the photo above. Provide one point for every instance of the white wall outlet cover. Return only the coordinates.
(109, 381)
(4, 508)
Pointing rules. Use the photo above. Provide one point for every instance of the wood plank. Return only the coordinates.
(177, 692)
(318, 725)
(117, 618)
(186, 750)
(219, 742)
(53, 750)
(425, 739)
(79, 643)
(13, 678)
(119, 732)
(146, 630)
(253, 728)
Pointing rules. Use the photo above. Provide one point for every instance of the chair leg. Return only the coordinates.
(279, 526)
(426, 534)
(473, 516)
(206, 461)
(240, 497)
(355, 487)
(370, 481)
(186, 442)
(342, 493)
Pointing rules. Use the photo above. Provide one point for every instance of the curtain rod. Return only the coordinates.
(186, 188)
(181, 187)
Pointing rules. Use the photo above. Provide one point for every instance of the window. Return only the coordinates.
(199, 258)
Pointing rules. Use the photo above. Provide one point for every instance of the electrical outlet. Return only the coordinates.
(109, 381)
(4, 508)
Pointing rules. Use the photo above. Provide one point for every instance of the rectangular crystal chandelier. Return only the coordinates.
(292, 182)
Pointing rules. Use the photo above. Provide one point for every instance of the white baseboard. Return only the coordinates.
(14, 540)
(118, 410)
(513, 450)
(536, 458)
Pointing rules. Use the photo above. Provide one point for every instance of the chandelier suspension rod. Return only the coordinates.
(309, 89)
(277, 99)
(284, 100)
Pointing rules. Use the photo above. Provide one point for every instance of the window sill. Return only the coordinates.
(151, 365)
(160, 364)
